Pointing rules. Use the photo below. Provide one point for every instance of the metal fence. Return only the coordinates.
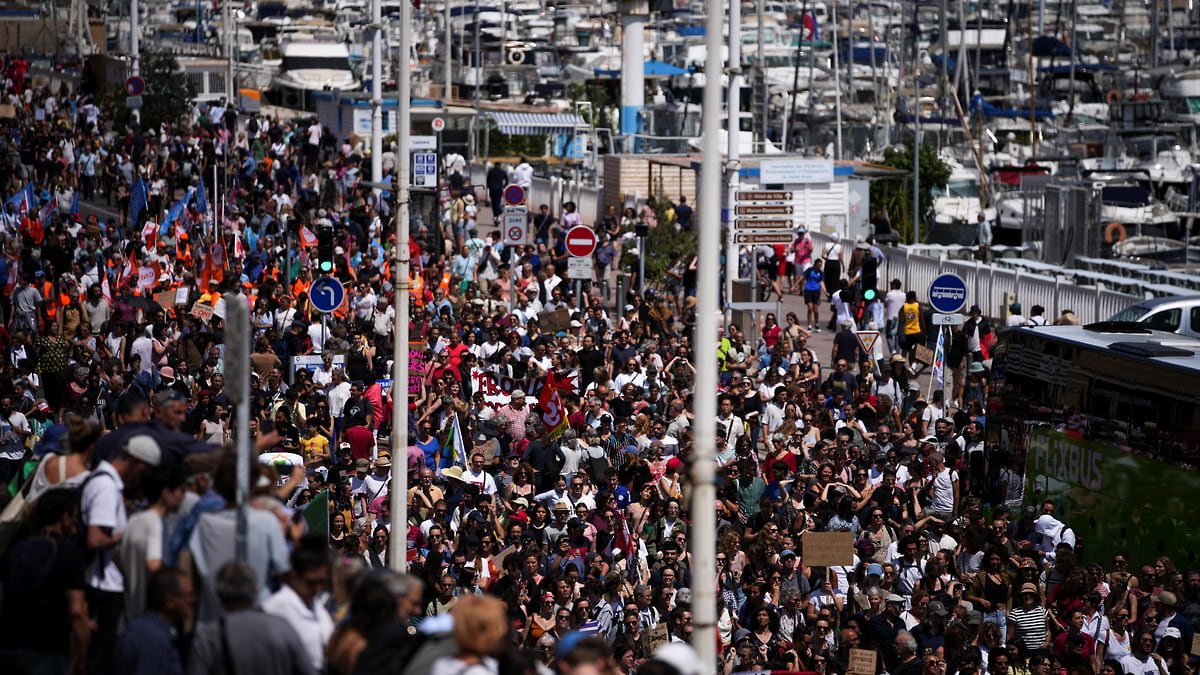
(555, 191)
(993, 287)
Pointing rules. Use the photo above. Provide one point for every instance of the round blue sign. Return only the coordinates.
(327, 294)
(948, 293)
(514, 194)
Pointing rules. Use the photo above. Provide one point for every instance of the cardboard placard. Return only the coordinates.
(923, 354)
(552, 322)
(202, 312)
(166, 299)
(654, 637)
(862, 661)
(417, 366)
(825, 549)
(1196, 644)
(8, 111)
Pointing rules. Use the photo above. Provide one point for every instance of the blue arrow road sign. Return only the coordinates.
(948, 293)
(327, 294)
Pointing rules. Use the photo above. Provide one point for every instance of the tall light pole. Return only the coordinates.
(733, 105)
(703, 471)
(399, 490)
(377, 91)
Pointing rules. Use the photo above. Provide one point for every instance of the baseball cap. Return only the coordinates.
(787, 553)
(936, 608)
(144, 448)
(876, 569)
(363, 464)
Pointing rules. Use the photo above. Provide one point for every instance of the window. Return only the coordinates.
(1167, 320)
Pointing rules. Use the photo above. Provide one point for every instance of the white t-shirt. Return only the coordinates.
(313, 624)
(894, 301)
(943, 490)
(141, 543)
(12, 444)
(103, 506)
(1132, 665)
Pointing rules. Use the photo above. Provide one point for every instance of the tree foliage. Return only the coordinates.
(895, 195)
(168, 96)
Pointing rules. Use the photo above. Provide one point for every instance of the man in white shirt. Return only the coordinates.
(297, 600)
(523, 175)
(1014, 316)
(475, 475)
(102, 507)
(943, 488)
(14, 429)
(730, 426)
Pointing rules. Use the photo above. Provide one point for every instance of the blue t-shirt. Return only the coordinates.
(430, 448)
(812, 279)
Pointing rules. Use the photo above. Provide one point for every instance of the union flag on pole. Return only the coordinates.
(307, 238)
(554, 416)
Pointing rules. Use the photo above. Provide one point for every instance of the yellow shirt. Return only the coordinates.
(910, 314)
(311, 448)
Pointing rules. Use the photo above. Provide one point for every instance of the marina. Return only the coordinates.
(1065, 130)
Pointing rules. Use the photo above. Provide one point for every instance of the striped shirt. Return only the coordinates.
(1031, 627)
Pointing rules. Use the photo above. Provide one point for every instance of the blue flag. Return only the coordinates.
(137, 201)
(21, 201)
(201, 199)
(174, 212)
(75, 204)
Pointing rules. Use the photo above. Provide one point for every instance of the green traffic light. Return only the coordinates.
(326, 266)
(869, 294)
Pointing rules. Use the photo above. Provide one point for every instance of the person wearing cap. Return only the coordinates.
(1029, 621)
(886, 626)
(978, 332)
(102, 511)
(515, 413)
(1014, 316)
(1167, 605)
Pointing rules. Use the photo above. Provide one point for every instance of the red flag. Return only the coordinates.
(106, 290)
(238, 251)
(307, 238)
(622, 541)
(128, 274)
(204, 279)
(217, 260)
(554, 417)
(149, 232)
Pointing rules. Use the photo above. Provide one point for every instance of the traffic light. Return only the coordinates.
(325, 250)
(870, 276)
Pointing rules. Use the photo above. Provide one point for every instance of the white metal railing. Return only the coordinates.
(992, 286)
(554, 192)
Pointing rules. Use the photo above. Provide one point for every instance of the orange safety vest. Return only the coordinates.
(48, 296)
(445, 282)
(299, 286)
(416, 289)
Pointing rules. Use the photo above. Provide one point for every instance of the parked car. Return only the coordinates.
(1173, 314)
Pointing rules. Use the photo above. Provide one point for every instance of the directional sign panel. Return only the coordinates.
(764, 196)
(772, 210)
(742, 225)
(772, 237)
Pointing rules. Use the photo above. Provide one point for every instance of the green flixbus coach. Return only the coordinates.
(1105, 421)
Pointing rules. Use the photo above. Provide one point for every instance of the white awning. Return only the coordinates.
(528, 124)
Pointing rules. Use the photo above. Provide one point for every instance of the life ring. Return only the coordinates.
(1111, 96)
(1114, 227)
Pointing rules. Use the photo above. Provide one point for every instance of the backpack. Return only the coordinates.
(596, 462)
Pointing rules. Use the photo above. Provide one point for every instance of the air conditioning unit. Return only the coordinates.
(514, 57)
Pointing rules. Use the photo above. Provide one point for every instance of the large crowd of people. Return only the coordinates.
(550, 426)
